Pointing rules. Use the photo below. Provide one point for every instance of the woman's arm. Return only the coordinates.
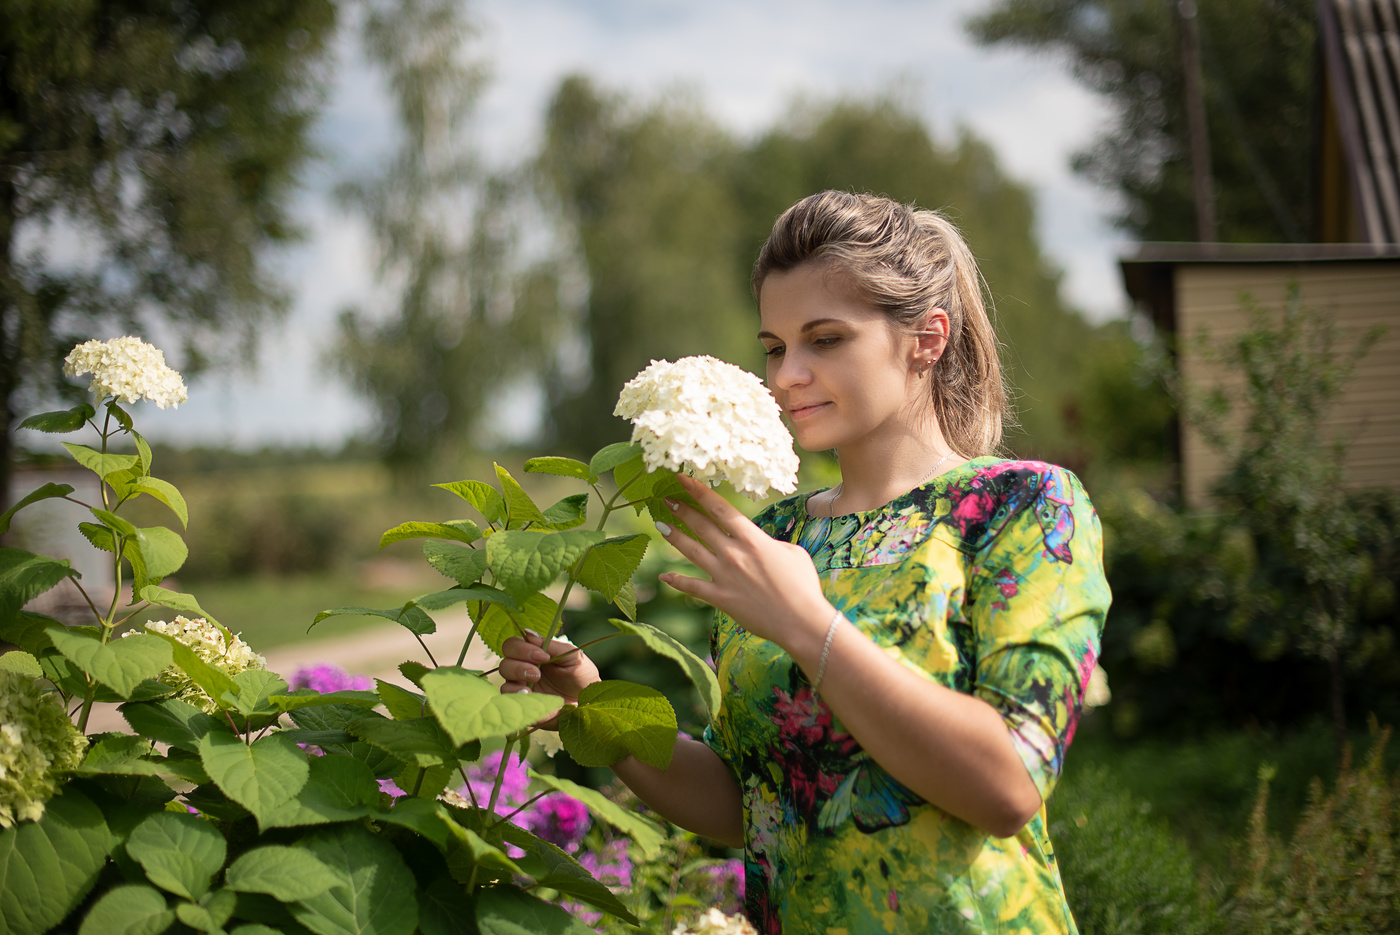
(696, 791)
(952, 749)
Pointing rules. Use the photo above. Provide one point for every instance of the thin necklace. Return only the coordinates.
(836, 492)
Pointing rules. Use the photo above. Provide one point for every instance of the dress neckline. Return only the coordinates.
(945, 478)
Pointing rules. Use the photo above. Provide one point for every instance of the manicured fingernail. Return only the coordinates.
(663, 529)
(673, 505)
(529, 632)
(531, 675)
(539, 655)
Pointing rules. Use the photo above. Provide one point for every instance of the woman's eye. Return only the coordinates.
(775, 351)
(829, 341)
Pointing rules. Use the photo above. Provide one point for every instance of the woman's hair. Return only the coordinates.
(905, 261)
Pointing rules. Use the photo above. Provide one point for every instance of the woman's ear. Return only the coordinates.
(932, 338)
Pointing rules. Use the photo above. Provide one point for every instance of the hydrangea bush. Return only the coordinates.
(241, 803)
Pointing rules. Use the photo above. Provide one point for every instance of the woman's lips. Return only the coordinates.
(802, 412)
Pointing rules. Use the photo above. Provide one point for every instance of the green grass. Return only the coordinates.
(273, 611)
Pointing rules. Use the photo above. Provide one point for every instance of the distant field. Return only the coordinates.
(273, 611)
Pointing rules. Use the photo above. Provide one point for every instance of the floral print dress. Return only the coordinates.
(988, 580)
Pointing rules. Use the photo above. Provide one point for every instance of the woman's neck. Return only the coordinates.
(875, 471)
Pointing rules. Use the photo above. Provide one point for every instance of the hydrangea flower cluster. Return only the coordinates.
(559, 819)
(728, 880)
(37, 745)
(713, 420)
(127, 368)
(714, 922)
(213, 645)
(326, 678)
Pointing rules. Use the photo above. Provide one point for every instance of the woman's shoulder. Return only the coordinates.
(778, 518)
(998, 495)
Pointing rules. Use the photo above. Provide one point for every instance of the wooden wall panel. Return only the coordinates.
(1359, 296)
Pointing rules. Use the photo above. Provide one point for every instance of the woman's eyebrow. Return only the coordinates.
(814, 323)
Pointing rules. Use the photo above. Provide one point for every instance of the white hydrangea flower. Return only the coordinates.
(127, 368)
(37, 745)
(714, 922)
(212, 645)
(713, 420)
(1097, 694)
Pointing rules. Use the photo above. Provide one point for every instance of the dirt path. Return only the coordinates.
(374, 651)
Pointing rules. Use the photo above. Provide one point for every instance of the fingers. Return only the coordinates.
(720, 510)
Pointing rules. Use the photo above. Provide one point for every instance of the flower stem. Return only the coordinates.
(500, 774)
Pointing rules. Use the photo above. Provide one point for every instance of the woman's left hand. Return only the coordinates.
(769, 587)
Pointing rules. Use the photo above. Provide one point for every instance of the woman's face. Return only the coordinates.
(841, 373)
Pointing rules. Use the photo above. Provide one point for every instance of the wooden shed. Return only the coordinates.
(1189, 288)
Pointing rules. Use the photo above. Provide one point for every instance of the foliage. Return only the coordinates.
(1338, 874)
(1258, 58)
(292, 828)
(1123, 869)
(170, 136)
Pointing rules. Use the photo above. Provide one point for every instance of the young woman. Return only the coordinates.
(904, 655)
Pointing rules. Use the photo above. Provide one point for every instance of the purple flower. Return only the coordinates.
(560, 819)
(326, 678)
(481, 777)
(610, 864)
(728, 881)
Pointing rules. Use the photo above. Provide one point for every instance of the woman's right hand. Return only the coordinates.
(525, 666)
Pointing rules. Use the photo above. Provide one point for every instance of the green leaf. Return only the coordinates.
(28, 631)
(460, 563)
(611, 456)
(526, 561)
(256, 687)
(413, 671)
(122, 754)
(99, 463)
(626, 601)
(180, 853)
(254, 928)
(339, 788)
(171, 721)
(375, 891)
(210, 913)
(165, 492)
(568, 512)
(645, 833)
(120, 664)
(23, 663)
(402, 704)
(419, 741)
(46, 492)
(121, 415)
(462, 530)
(259, 777)
(483, 496)
(143, 450)
(175, 600)
(140, 580)
(48, 866)
(213, 680)
(409, 616)
(307, 698)
(696, 669)
(471, 708)
(424, 782)
(426, 817)
(162, 549)
(553, 868)
(498, 624)
(615, 718)
(100, 536)
(562, 467)
(471, 856)
(610, 565)
(134, 909)
(520, 509)
(287, 873)
(24, 576)
(509, 910)
(441, 600)
(62, 421)
(445, 909)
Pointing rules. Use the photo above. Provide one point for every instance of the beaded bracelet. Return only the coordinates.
(826, 652)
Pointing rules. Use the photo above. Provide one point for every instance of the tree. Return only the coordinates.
(1258, 58)
(166, 138)
(470, 315)
(647, 192)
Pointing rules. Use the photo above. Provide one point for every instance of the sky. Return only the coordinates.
(747, 62)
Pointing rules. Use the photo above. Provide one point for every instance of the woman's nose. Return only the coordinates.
(788, 371)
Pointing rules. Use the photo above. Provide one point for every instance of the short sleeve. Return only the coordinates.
(1037, 602)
